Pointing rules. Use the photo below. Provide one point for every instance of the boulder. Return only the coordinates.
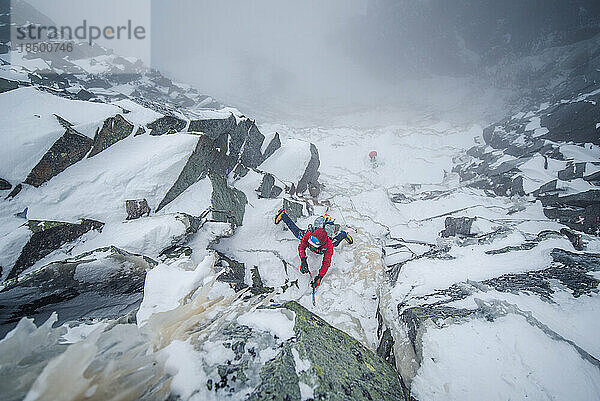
(66, 151)
(267, 188)
(4, 185)
(105, 283)
(311, 174)
(166, 125)
(47, 237)
(85, 95)
(457, 226)
(229, 204)
(114, 129)
(572, 171)
(365, 375)
(137, 208)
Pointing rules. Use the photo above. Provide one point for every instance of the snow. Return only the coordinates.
(187, 369)
(193, 201)
(138, 114)
(97, 188)
(167, 285)
(516, 361)
(275, 322)
(30, 126)
(289, 162)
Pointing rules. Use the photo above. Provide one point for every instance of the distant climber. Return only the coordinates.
(317, 239)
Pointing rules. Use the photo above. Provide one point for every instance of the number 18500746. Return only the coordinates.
(45, 47)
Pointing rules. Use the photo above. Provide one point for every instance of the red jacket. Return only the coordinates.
(326, 250)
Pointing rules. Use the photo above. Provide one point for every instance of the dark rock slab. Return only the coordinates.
(85, 95)
(66, 151)
(273, 145)
(113, 130)
(105, 283)
(4, 185)
(229, 204)
(48, 237)
(365, 375)
(14, 192)
(267, 188)
(292, 209)
(460, 226)
(251, 155)
(573, 122)
(213, 127)
(311, 174)
(7, 85)
(166, 125)
(136, 208)
(234, 272)
(203, 159)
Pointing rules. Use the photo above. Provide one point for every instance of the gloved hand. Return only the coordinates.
(304, 266)
(316, 282)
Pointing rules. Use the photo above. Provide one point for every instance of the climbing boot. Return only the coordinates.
(279, 216)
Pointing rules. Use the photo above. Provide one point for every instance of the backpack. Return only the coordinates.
(326, 222)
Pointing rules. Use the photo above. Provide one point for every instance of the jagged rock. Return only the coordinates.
(572, 171)
(251, 155)
(594, 177)
(311, 174)
(267, 188)
(47, 237)
(234, 272)
(229, 204)
(166, 125)
(66, 151)
(137, 208)
(292, 209)
(140, 131)
(573, 121)
(4, 185)
(105, 283)
(114, 129)
(460, 226)
(7, 85)
(575, 238)
(273, 145)
(204, 159)
(365, 375)
(15, 191)
(85, 95)
(23, 214)
(213, 127)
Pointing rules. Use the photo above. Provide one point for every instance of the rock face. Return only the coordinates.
(224, 147)
(561, 174)
(105, 283)
(66, 151)
(137, 208)
(166, 125)
(48, 236)
(229, 204)
(113, 130)
(364, 376)
(213, 127)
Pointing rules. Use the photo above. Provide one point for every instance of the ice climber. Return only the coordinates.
(316, 238)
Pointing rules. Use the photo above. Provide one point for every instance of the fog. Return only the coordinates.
(348, 59)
